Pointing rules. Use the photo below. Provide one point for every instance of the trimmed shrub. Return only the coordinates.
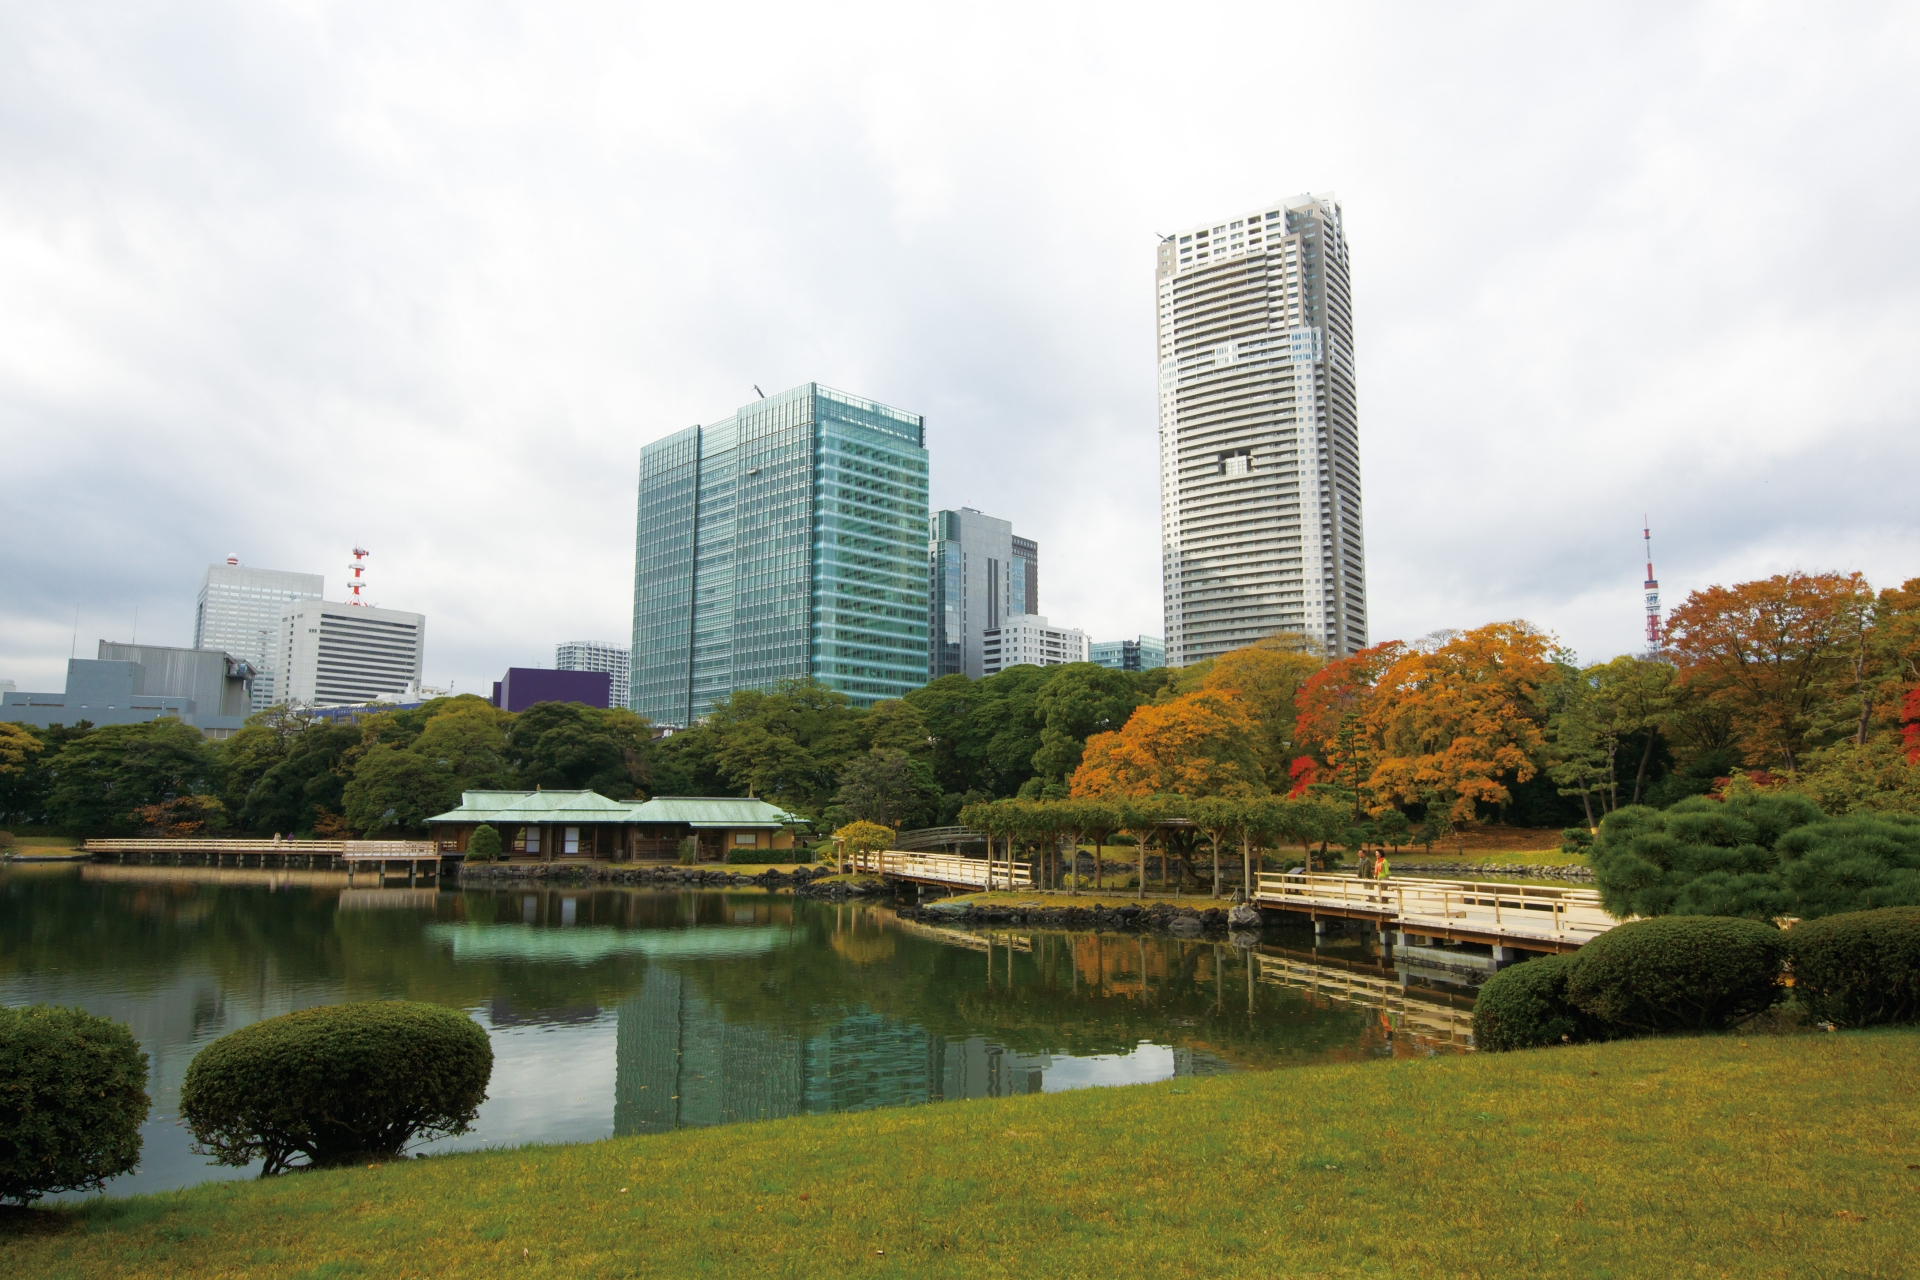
(72, 1099)
(1525, 1006)
(1860, 969)
(1756, 854)
(1678, 973)
(336, 1084)
(483, 845)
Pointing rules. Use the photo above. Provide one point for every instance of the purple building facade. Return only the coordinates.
(521, 687)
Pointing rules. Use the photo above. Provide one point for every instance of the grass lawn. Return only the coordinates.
(1763, 1156)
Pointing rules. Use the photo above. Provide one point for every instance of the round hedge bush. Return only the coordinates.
(72, 1099)
(1525, 1006)
(1860, 969)
(1678, 973)
(336, 1084)
(483, 845)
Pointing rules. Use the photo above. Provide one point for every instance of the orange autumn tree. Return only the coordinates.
(1267, 676)
(1775, 654)
(1199, 744)
(1447, 726)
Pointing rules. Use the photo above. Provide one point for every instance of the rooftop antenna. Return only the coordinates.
(136, 625)
(757, 391)
(355, 584)
(74, 650)
(1653, 591)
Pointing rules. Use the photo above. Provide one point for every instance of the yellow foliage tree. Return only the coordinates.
(1445, 727)
(1199, 744)
(1267, 676)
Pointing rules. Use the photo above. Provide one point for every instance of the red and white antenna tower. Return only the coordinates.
(1653, 592)
(355, 583)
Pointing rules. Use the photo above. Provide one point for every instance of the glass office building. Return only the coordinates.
(783, 542)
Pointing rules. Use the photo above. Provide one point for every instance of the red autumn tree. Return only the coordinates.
(1776, 654)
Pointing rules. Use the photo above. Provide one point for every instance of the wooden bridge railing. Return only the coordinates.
(1562, 917)
(945, 868)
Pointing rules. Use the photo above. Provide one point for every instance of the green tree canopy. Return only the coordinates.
(102, 777)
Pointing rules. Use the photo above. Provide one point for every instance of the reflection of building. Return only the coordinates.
(680, 1064)
(135, 683)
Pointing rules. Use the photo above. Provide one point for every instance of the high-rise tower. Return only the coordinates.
(1260, 525)
(239, 612)
(786, 541)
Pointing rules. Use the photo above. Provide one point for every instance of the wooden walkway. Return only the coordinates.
(421, 857)
(949, 870)
(1528, 917)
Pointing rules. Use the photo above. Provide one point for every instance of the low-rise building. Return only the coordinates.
(135, 683)
(1141, 654)
(521, 687)
(551, 826)
(1025, 638)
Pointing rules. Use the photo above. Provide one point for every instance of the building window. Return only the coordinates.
(572, 843)
(530, 840)
(743, 837)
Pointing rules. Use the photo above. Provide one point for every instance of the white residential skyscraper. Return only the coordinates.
(589, 655)
(239, 612)
(1259, 434)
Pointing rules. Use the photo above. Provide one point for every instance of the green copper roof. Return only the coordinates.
(577, 807)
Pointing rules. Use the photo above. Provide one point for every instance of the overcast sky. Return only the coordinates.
(280, 278)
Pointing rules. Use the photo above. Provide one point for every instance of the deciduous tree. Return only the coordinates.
(1199, 744)
(1771, 653)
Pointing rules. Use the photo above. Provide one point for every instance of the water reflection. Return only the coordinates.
(623, 1012)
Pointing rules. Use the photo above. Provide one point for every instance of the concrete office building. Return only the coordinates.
(1142, 654)
(1259, 433)
(333, 655)
(135, 683)
(979, 574)
(785, 541)
(239, 613)
(587, 655)
(1025, 638)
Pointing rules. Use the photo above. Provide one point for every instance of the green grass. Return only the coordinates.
(1765, 1156)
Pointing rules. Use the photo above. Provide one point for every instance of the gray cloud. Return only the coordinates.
(275, 280)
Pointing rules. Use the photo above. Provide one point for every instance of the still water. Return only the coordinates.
(619, 1011)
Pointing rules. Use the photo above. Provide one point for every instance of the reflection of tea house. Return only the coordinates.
(554, 826)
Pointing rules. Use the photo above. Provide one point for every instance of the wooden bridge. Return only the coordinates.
(949, 870)
(421, 857)
(1528, 917)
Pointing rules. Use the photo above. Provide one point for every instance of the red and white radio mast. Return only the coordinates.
(355, 583)
(1653, 592)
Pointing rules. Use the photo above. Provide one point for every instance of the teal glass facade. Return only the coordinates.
(786, 541)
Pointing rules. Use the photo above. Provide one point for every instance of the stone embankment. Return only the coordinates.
(645, 874)
(1164, 917)
(1480, 871)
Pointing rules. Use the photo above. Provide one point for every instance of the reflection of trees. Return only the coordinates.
(1035, 992)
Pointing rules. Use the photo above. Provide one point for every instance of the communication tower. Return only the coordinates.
(1653, 592)
(357, 568)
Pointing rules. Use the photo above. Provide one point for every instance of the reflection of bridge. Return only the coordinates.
(951, 870)
(1503, 916)
(1430, 1017)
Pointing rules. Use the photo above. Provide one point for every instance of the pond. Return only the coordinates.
(625, 1011)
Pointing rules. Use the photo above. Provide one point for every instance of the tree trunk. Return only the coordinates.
(1141, 892)
(1640, 777)
(1216, 866)
(1586, 802)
